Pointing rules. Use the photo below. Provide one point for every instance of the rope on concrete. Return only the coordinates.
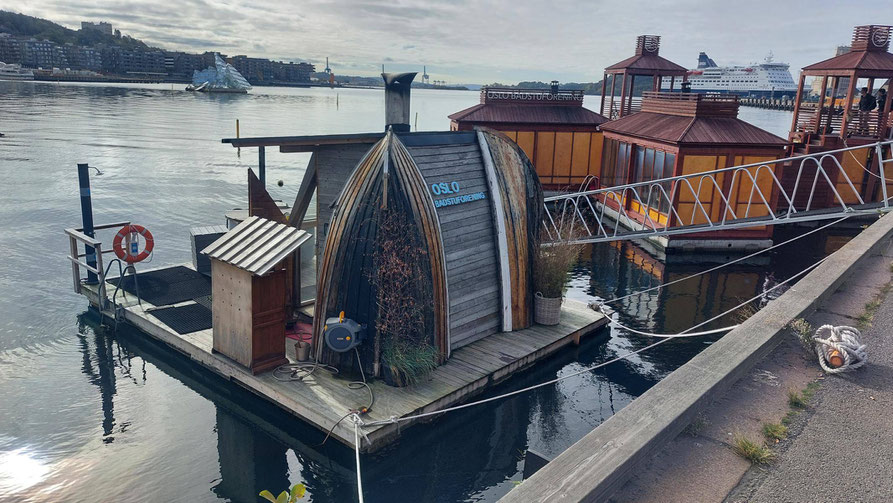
(843, 342)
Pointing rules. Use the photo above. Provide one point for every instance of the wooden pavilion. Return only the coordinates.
(645, 63)
(833, 119)
(678, 134)
(552, 126)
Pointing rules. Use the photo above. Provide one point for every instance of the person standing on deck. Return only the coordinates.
(866, 105)
(881, 102)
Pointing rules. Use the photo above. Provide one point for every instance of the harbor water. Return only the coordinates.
(90, 414)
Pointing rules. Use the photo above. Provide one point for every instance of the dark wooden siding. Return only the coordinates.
(469, 240)
(334, 165)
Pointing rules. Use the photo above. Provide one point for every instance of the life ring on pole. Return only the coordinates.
(134, 231)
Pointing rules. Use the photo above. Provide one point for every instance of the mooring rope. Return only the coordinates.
(356, 435)
(395, 419)
(843, 342)
(725, 264)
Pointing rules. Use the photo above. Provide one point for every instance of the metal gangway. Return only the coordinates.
(820, 189)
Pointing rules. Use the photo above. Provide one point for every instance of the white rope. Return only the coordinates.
(720, 266)
(617, 324)
(356, 436)
(843, 340)
(397, 420)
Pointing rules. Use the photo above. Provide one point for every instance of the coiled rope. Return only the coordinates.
(839, 342)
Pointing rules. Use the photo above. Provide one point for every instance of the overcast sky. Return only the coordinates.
(463, 41)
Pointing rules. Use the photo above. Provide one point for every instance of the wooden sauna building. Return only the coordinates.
(444, 223)
(832, 120)
(678, 134)
(643, 71)
(558, 134)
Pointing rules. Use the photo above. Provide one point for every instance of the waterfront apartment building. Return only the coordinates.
(101, 27)
(263, 71)
(115, 60)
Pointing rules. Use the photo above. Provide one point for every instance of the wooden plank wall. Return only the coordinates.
(469, 240)
(334, 165)
(522, 201)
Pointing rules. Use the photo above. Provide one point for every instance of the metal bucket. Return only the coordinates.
(302, 351)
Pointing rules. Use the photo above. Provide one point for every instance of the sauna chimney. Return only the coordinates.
(396, 100)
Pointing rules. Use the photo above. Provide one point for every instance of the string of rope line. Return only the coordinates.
(356, 436)
(394, 419)
(669, 336)
(720, 266)
(843, 340)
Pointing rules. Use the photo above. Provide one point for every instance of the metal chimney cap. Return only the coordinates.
(398, 80)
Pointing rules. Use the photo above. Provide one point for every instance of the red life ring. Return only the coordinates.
(131, 256)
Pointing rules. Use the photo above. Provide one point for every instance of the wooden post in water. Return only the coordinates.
(87, 218)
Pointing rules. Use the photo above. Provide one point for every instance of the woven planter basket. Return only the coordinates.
(546, 311)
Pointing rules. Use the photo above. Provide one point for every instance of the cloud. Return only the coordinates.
(464, 41)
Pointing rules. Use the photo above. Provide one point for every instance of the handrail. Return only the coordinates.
(76, 235)
(716, 171)
(807, 188)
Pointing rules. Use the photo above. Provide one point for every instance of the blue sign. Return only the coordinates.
(443, 188)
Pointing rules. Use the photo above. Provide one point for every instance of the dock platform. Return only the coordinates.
(323, 398)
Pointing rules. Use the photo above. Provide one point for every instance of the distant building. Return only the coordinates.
(43, 54)
(101, 27)
(10, 49)
(83, 58)
(263, 71)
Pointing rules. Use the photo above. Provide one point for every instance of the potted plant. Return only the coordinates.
(407, 361)
(552, 263)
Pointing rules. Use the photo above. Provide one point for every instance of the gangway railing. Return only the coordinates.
(820, 189)
(79, 260)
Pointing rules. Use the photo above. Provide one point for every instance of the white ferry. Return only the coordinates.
(767, 79)
(12, 71)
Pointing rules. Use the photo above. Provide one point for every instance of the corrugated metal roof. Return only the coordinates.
(682, 130)
(643, 62)
(256, 245)
(865, 61)
(529, 114)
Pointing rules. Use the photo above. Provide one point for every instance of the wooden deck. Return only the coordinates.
(324, 398)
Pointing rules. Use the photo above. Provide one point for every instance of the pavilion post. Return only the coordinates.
(601, 108)
(611, 102)
(848, 105)
(622, 94)
(796, 101)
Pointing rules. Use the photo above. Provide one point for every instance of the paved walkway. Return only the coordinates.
(840, 449)
(843, 450)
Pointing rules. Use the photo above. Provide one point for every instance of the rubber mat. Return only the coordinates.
(184, 319)
(164, 287)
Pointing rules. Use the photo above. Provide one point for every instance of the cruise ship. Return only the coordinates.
(12, 71)
(768, 78)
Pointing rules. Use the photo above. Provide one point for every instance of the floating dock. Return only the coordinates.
(324, 398)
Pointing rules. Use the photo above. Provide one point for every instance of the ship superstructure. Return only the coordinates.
(769, 78)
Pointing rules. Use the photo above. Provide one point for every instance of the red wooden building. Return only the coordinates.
(646, 63)
(555, 130)
(681, 134)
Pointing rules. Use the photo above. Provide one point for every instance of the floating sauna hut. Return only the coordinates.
(645, 64)
(832, 120)
(553, 128)
(452, 216)
(680, 134)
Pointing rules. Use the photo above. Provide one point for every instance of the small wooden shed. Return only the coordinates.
(249, 291)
